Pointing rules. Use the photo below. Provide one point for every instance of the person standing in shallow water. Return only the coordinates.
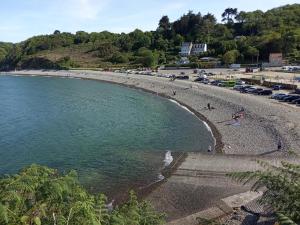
(209, 149)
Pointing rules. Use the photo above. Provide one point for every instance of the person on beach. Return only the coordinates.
(174, 93)
(209, 149)
(208, 106)
(279, 145)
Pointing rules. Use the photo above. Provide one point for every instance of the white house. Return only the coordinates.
(186, 48)
(198, 49)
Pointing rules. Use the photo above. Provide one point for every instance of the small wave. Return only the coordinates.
(160, 177)
(206, 125)
(167, 161)
(181, 106)
(168, 158)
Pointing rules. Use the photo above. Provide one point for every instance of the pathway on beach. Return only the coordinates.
(200, 182)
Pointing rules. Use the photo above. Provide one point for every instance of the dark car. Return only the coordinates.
(276, 87)
(296, 101)
(257, 90)
(265, 92)
(245, 88)
(198, 79)
(281, 97)
(291, 98)
(182, 77)
(216, 82)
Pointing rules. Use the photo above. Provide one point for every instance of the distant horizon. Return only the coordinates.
(22, 20)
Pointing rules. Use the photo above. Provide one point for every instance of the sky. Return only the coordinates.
(21, 19)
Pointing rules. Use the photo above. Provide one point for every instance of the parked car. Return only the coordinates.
(265, 92)
(256, 91)
(245, 88)
(198, 79)
(250, 90)
(276, 87)
(240, 82)
(205, 81)
(215, 82)
(276, 95)
(182, 77)
(238, 87)
(297, 101)
(291, 98)
(280, 98)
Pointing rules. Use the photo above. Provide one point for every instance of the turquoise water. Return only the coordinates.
(115, 137)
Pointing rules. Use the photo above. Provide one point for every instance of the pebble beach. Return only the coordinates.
(265, 121)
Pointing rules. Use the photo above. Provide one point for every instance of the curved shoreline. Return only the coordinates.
(218, 145)
(265, 121)
(179, 157)
(190, 186)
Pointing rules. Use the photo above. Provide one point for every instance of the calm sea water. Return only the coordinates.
(115, 137)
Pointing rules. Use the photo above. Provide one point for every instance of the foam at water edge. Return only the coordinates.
(206, 125)
(167, 161)
(168, 158)
(160, 178)
(182, 106)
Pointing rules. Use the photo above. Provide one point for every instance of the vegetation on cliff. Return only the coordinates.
(242, 37)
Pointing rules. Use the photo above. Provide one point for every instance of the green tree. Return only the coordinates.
(229, 14)
(282, 192)
(252, 52)
(147, 58)
(119, 58)
(230, 57)
(39, 195)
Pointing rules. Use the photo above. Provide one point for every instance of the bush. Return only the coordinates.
(39, 195)
(119, 58)
(281, 185)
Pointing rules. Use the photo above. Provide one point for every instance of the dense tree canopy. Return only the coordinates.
(253, 34)
(39, 195)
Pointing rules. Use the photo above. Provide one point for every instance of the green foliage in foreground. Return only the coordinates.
(39, 195)
(282, 192)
